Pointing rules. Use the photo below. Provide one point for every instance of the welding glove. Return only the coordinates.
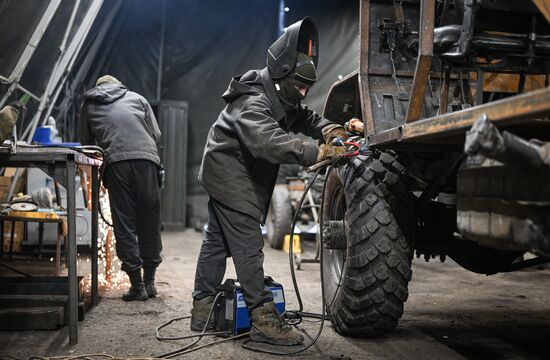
(329, 151)
(8, 118)
(355, 126)
(18, 106)
(330, 132)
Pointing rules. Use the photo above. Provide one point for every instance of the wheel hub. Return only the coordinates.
(334, 234)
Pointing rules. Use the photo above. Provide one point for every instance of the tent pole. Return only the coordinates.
(87, 62)
(62, 64)
(25, 57)
(161, 50)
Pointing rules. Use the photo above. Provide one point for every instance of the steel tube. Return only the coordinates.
(424, 60)
(95, 208)
(26, 56)
(71, 251)
(503, 112)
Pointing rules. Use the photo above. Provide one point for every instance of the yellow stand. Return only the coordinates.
(297, 246)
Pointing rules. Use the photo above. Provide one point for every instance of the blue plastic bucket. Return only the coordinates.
(42, 135)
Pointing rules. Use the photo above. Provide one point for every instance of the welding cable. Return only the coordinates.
(210, 313)
(300, 312)
(188, 348)
(322, 315)
(74, 357)
(101, 172)
(82, 149)
(8, 357)
(83, 357)
(210, 344)
(162, 338)
(291, 242)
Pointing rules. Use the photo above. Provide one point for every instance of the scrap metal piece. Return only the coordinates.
(24, 206)
(43, 198)
(485, 139)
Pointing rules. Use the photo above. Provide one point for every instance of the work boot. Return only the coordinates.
(269, 327)
(137, 289)
(149, 280)
(199, 314)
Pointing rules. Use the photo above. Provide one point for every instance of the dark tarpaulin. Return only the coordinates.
(133, 58)
(40, 66)
(209, 41)
(206, 43)
(19, 19)
(338, 25)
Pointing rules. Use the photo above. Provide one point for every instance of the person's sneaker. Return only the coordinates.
(199, 314)
(151, 289)
(135, 293)
(269, 327)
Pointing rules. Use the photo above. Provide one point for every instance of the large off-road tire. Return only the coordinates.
(279, 216)
(366, 274)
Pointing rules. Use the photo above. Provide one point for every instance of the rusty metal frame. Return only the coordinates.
(444, 93)
(507, 111)
(424, 60)
(366, 105)
(544, 8)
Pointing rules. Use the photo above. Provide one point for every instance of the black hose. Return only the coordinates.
(101, 170)
(294, 281)
(198, 336)
(300, 313)
(291, 242)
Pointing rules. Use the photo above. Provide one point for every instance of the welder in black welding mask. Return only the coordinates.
(294, 87)
(245, 146)
(292, 62)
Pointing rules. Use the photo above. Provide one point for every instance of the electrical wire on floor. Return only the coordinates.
(300, 313)
(189, 348)
(83, 357)
(9, 357)
(293, 317)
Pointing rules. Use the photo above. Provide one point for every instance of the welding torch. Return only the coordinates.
(354, 148)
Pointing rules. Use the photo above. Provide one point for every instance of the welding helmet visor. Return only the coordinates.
(300, 37)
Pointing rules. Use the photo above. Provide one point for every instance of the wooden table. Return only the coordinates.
(62, 164)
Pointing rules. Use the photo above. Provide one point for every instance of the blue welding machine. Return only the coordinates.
(231, 312)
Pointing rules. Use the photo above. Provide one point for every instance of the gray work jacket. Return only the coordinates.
(250, 139)
(121, 122)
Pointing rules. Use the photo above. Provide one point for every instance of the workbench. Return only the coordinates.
(51, 218)
(62, 165)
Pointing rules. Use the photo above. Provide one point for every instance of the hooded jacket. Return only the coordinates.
(121, 122)
(250, 139)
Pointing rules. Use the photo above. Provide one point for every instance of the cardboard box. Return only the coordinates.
(17, 236)
(5, 182)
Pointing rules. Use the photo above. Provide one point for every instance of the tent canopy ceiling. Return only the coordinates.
(203, 45)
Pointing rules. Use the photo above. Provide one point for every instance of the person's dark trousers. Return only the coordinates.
(231, 233)
(135, 208)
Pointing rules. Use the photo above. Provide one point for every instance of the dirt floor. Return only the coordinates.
(451, 314)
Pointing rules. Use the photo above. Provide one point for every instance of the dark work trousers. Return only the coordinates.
(135, 208)
(232, 233)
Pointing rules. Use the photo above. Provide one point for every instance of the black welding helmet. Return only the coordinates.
(300, 37)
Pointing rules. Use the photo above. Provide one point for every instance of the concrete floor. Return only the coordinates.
(451, 314)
